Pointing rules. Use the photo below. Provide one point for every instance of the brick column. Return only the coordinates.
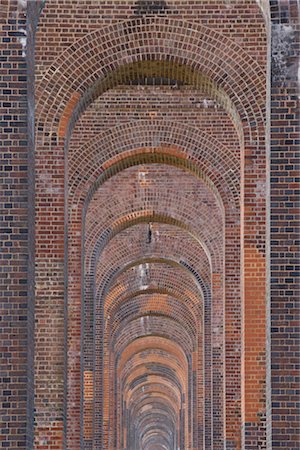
(14, 227)
(285, 142)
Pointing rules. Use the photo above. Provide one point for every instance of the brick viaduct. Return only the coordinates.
(148, 277)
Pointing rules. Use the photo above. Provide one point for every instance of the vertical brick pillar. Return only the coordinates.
(14, 227)
(232, 336)
(254, 284)
(74, 386)
(217, 361)
(33, 12)
(50, 285)
(207, 423)
(285, 293)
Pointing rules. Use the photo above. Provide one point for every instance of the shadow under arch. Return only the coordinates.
(210, 53)
(203, 289)
(177, 155)
(156, 72)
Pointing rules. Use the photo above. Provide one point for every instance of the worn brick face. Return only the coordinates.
(14, 228)
(149, 224)
(284, 134)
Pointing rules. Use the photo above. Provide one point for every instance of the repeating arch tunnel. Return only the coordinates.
(158, 223)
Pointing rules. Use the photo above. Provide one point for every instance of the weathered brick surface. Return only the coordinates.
(285, 317)
(14, 229)
(152, 42)
(145, 269)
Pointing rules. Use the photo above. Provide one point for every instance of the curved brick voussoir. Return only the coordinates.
(92, 59)
(157, 327)
(153, 190)
(149, 344)
(151, 276)
(155, 366)
(154, 141)
(153, 363)
(151, 355)
(135, 293)
(143, 388)
(141, 242)
(96, 217)
(155, 303)
(129, 247)
(129, 104)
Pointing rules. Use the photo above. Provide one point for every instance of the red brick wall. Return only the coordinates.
(14, 228)
(285, 296)
(151, 247)
(85, 166)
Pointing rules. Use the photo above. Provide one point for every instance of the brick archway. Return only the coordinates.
(91, 66)
(132, 213)
(237, 83)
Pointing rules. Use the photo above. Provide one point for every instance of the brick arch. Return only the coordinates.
(151, 401)
(156, 388)
(201, 214)
(161, 142)
(163, 317)
(184, 424)
(137, 263)
(96, 147)
(153, 390)
(164, 386)
(135, 294)
(132, 247)
(133, 256)
(255, 233)
(126, 332)
(129, 317)
(203, 49)
(161, 387)
(139, 302)
(171, 364)
(162, 286)
(151, 356)
(135, 329)
(149, 438)
(151, 359)
(161, 418)
(146, 217)
(156, 403)
(182, 383)
(158, 310)
(155, 356)
(147, 343)
(96, 234)
(163, 383)
(129, 250)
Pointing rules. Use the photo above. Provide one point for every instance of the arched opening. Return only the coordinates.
(145, 161)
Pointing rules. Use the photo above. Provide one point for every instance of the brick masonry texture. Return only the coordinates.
(284, 237)
(14, 229)
(149, 268)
